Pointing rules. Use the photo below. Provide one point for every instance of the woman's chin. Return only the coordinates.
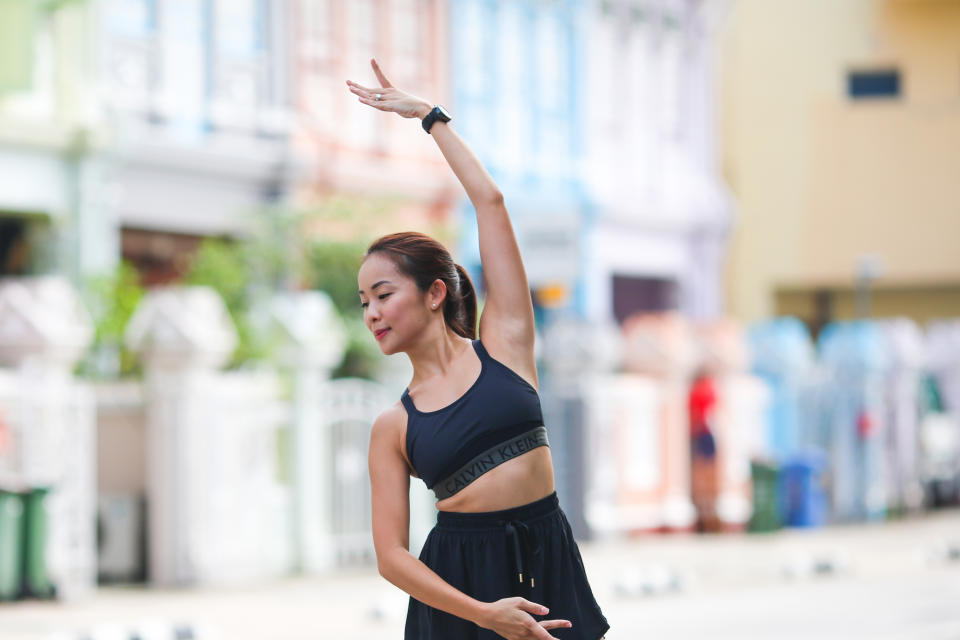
(386, 349)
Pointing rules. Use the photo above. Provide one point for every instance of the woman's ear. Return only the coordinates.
(437, 294)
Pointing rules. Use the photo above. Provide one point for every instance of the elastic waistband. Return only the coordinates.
(495, 519)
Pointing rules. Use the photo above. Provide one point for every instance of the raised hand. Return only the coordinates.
(389, 98)
(510, 618)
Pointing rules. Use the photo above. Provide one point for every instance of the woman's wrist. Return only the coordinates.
(480, 613)
(423, 110)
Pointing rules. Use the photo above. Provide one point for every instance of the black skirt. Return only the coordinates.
(526, 551)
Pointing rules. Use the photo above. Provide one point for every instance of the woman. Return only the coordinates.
(501, 555)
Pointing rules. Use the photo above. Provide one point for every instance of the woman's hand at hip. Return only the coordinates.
(390, 98)
(510, 617)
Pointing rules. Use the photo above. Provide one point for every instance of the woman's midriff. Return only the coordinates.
(519, 481)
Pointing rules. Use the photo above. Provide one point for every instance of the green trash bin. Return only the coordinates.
(36, 577)
(766, 509)
(11, 544)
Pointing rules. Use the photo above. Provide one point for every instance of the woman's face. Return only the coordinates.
(394, 309)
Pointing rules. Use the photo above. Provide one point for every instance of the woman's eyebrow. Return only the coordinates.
(374, 287)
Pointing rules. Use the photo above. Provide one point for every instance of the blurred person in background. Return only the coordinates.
(502, 555)
(703, 450)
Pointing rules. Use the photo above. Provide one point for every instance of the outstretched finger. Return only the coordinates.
(541, 634)
(382, 78)
(358, 91)
(359, 88)
(532, 607)
(556, 624)
(376, 104)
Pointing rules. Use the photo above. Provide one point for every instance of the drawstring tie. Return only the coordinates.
(524, 546)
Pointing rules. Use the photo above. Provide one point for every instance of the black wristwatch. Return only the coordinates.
(438, 113)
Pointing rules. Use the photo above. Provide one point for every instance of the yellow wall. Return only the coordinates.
(821, 179)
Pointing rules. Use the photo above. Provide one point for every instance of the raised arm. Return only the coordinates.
(506, 324)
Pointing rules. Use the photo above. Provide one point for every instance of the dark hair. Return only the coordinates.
(425, 260)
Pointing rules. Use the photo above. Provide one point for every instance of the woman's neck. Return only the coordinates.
(434, 356)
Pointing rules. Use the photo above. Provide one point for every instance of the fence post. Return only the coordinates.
(184, 335)
(313, 341)
(49, 425)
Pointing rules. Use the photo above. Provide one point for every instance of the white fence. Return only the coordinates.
(47, 422)
(255, 473)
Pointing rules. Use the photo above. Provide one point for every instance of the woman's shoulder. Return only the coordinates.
(390, 420)
(390, 430)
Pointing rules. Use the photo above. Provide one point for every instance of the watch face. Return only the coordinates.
(443, 113)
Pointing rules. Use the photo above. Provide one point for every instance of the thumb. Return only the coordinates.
(533, 607)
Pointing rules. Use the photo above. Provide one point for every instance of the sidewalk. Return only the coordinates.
(889, 580)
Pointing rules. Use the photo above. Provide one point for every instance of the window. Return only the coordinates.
(14, 247)
(184, 69)
(873, 84)
(131, 54)
(238, 85)
(633, 294)
(27, 245)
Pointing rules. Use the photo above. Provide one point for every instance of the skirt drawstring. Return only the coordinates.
(526, 548)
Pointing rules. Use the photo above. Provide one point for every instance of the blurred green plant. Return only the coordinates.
(286, 249)
(331, 266)
(279, 255)
(225, 266)
(111, 300)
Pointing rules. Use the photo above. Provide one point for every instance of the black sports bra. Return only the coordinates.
(497, 419)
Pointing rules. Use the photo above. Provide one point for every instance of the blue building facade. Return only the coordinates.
(517, 66)
(597, 120)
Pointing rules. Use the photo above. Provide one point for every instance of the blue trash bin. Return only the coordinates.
(804, 487)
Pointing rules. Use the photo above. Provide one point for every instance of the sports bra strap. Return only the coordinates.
(481, 350)
(407, 402)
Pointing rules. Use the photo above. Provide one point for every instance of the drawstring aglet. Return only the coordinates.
(521, 577)
(531, 583)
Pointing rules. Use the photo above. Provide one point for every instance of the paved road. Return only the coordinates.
(894, 580)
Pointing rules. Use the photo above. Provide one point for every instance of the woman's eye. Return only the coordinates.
(363, 305)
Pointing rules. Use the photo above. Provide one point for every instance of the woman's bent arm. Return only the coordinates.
(390, 489)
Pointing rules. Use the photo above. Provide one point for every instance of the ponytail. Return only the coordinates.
(461, 315)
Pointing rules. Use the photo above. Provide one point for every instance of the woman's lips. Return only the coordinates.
(380, 334)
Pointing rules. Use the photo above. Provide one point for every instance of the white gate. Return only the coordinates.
(352, 406)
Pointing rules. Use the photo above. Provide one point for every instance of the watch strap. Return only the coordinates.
(436, 114)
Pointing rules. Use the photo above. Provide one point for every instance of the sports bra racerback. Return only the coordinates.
(497, 419)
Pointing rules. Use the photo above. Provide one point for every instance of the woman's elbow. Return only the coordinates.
(488, 198)
(495, 198)
(385, 565)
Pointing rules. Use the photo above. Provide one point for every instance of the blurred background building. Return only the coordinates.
(657, 233)
(358, 151)
(841, 141)
(597, 119)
